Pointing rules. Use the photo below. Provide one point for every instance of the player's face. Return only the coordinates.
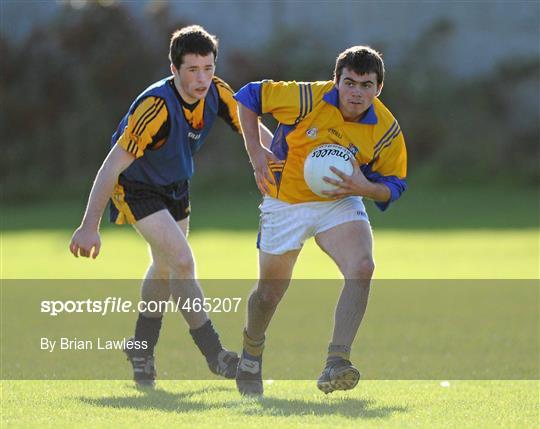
(194, 76)
(356, 93)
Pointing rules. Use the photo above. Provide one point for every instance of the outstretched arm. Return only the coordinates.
(86, 236)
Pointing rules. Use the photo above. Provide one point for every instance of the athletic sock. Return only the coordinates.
(207, 340)
(147, 329)
(337, 352)
(253, 349)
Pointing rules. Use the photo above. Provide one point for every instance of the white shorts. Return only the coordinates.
(284, 227)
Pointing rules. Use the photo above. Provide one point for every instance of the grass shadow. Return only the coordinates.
(345, 407)
(157, 399)
(163, 400)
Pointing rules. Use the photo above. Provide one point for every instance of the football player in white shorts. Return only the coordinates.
(346, 112)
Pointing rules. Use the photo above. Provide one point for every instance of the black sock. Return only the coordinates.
(207, 340)
(147, 329)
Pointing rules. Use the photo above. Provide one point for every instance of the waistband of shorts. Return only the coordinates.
(272, 202)
(175, 190)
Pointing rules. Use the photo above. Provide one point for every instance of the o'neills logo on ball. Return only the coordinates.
(339, 152)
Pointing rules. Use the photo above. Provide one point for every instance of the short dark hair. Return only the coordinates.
(361, 60)
(191, 40)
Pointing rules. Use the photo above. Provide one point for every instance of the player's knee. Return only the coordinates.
(159, 270)
(362, 268)
(184, 266)
(266, 299)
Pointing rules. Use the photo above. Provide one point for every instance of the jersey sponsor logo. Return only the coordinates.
(353, 149)
(335, 132)
(312, 132)
(194, 136)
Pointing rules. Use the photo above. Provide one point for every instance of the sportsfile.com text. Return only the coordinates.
(120, 305)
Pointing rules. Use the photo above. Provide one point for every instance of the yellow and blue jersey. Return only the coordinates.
(163, 132)
(308, 115)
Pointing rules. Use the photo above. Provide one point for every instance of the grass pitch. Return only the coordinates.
(456, 236)
(452, 254)
(287, 404)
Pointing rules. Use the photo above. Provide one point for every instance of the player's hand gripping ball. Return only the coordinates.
(318, 163)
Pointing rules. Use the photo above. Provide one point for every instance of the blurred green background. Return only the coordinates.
(67, 80)
(462, 78)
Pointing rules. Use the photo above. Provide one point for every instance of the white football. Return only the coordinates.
(318, 163)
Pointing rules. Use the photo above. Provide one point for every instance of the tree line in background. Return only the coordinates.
(64, 88)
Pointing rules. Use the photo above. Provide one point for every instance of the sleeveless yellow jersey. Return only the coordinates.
(308, 115)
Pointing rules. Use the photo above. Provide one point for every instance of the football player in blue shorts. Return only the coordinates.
(346, 112)
(146, 177)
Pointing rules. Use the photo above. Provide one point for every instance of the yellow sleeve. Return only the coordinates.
(391, 157)
(143, 124)
(228, 107)
(288, 102)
